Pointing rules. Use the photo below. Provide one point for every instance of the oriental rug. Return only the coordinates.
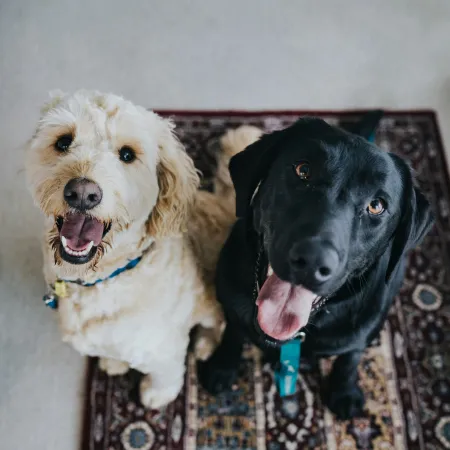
(405, 374)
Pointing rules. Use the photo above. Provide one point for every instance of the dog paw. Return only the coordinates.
(215, 379)
(155, 398)
(204, 347)
(346, 403)
(113, 367)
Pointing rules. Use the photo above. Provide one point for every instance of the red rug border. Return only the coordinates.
(91, 362)
(292, 112)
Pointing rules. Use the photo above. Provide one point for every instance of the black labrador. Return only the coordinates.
(325, 222)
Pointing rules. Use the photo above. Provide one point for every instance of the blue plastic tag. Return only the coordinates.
(286, 376)
(371, 138)
(51, 300)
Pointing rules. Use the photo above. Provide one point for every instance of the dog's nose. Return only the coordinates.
(82, 194)
(316, 261)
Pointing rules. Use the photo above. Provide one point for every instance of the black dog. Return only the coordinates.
(325, 222)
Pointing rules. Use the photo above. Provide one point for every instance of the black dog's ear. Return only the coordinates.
(249, 167)
(367, 126)
(417, 219)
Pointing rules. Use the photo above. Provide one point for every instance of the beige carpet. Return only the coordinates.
(177, 54)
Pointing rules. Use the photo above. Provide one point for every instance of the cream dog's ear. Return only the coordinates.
(178, 182)
(55, 98)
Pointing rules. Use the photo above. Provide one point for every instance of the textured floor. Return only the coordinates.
(240, 54)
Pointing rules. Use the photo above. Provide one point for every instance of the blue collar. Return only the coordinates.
(51, 299)
(130, 265)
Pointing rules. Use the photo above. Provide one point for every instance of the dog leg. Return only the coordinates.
(160, 387)
(113, 366)
(220, 371)
(343, 396)
(209, 321)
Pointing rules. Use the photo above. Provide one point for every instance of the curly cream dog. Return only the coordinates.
(133, 240)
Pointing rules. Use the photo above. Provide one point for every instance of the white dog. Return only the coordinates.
(131, 244)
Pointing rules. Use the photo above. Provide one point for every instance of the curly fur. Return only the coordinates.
(141, 318)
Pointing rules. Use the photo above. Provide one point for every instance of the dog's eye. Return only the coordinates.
(63, 143)
(127, 154)
(302, 170)
(376, 207)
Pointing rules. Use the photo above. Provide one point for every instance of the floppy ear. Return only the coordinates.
(178, 182)
(417, 219)
(367, 126)
(249, 167)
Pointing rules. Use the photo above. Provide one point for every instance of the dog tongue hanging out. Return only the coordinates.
(283, 308)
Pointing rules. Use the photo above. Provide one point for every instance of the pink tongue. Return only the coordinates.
(79, 230)
(283, 308)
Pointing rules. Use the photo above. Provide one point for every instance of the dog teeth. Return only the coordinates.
(90, 245)
(69, 251)
(269, 271)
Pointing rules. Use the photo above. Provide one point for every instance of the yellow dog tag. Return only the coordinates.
(60, 289)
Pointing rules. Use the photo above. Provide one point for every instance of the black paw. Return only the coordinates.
(346, 403)
(215, 378)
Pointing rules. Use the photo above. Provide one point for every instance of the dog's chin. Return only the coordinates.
(77, 259)
(267, 340)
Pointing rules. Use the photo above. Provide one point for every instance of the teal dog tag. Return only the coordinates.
(286, 376)
(51, 300)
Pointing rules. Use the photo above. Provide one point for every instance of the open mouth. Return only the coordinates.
(80, 236)
(283, 308)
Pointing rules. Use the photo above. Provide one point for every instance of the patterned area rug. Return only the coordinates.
(405, 374)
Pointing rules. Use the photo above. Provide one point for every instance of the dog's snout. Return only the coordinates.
(82, 194)
(317, 261)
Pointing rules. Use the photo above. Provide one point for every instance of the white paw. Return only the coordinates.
(113, 367)
(154, 398)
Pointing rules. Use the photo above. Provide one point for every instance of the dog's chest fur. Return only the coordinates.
(138, 315)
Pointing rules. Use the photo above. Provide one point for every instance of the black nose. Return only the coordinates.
(82, 194)
(315, 260)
